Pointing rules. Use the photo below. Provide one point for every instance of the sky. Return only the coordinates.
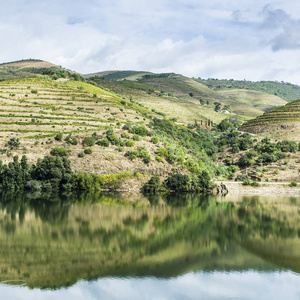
(232, 39)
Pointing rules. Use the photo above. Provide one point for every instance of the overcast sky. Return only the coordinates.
(248, 39)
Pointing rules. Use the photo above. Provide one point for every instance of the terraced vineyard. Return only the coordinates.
(35, 111)
(282, 121)
(37, 108)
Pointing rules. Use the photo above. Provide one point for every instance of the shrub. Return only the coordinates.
(140, 152)
(88, 151)
(247, 182)
(163, 152)
(59, 136)
(81, 154)
(177, 182)
(130, 143)
(158, 158)
(135, 137)
(242, 177)
(34, 91)
(204, 180)
(56, 151)
(88, 141)
(153, 185)
(104, 142)
(154, 139)
(139, 130)
(13, 143)
(125, 135)
(293, 184)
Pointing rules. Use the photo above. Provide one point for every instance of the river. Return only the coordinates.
(130, 246)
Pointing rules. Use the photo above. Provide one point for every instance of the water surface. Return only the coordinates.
(95, 246)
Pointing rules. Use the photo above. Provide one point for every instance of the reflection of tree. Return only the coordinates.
(193, 232)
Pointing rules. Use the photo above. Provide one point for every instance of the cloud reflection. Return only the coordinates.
(200, 285)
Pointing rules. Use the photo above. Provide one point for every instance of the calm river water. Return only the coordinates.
(128, 246)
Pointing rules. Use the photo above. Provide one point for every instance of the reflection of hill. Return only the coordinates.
(283, 252)
(82, 241)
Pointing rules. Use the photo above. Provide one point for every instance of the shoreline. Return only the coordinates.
(265, 188)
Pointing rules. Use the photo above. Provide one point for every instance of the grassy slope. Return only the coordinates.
(245, 103)
(186, 111)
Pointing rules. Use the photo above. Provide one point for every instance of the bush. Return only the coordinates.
(140, 152)
(81, 154)
(154, 140)
(125, 135)
(153, 185)
(293, 184)
(13, 143)
(58, 137)
(178, 182)
(88, 141)
(139, 130)
(56, 151)
(135, 137)
(130, 143)
(104, 142)
(225, 125)
(34, 91)
(88, 151)
(204, 181)
(247, 182)
(158, 158)
(242, 177)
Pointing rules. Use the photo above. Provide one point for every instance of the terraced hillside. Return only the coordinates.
(98, 131)
(186, 110)
(282, 122)
(242, 102)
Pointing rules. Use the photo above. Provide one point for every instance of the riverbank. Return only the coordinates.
(266, 188)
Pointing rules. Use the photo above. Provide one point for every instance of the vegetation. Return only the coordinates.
(282, 89)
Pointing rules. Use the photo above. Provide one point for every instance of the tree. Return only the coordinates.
(224, 125)
(217, 106)
(153, 185)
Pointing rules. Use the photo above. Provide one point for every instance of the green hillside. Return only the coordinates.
(99, 131)
(284, 90)
(242, 102)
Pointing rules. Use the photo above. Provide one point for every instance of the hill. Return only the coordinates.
(194, 94)
(38, 114)
(24, 68)
(284, 90)
(282, 122)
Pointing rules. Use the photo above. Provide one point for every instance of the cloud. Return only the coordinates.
(245, 39)
(287, 29)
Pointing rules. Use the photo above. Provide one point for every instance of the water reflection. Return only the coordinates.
(54, 240)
